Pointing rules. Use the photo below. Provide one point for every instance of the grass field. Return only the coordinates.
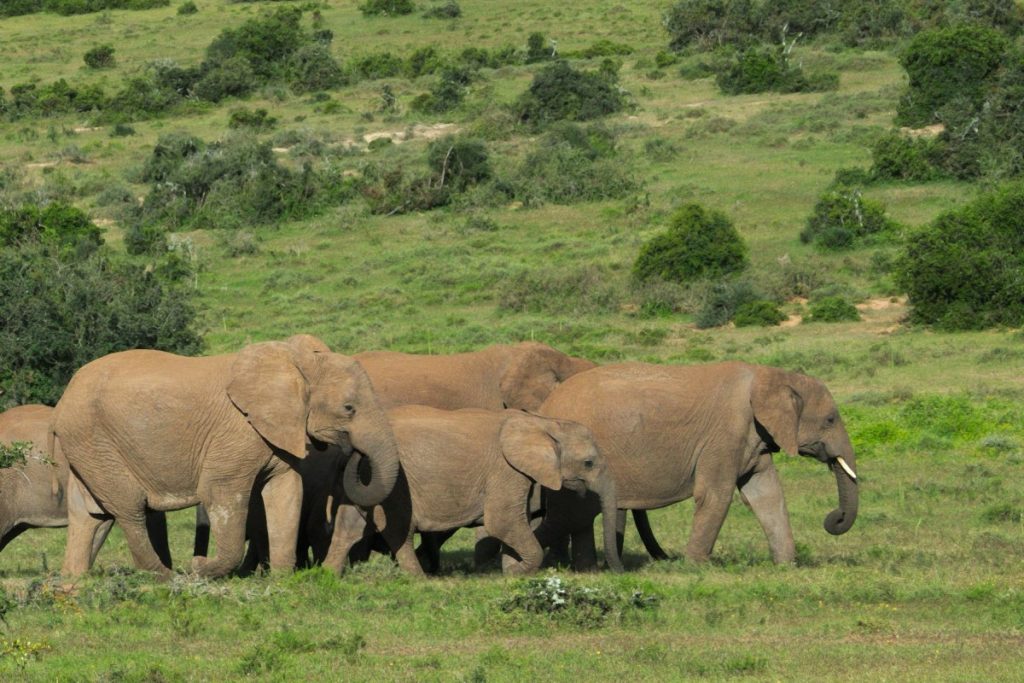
(928, 585)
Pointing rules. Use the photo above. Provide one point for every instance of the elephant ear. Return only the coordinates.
(268, 388)
(306, 350)
(530, 375)
(777, 407)
(531, 450)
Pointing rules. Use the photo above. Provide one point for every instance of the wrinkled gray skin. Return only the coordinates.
(468, 467)
(671, 433)
(31, 494)
(147, 430)
(518, 376)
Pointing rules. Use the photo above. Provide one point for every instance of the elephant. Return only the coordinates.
(672, 432)
(468, 467)
(152, 431)
(32, 493)
(496, 377)
(499, 376)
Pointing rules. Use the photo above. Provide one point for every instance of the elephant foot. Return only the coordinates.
(210, 569)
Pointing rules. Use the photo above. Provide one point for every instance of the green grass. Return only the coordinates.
(927, 585)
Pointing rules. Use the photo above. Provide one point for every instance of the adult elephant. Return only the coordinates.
(148, 430)
(32, 491)
(468, 467)
(518, 376)
(670, 433)
(496, 377)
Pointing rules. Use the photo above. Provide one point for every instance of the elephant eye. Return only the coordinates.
(588, 463)
(350, 409)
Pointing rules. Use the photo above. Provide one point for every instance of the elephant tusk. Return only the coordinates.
(846, 468)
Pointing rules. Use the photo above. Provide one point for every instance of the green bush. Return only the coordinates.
(187, 8)
(698, 243)
(266, 42)
(842, 217)
(807, 17)
(234, 77)
(723, 300)
(458, 162)
(387, 7)
(377, 65)
(561, 93)
(966, 269)
(312, 68)
(100, 57)
(766, 69)
(832, 309)
(446, 94)
(708, 24)
(896, 156)
(537, 49)
(62, 310)
(758, 313)
(62, 227)
(946, 64)
(449, 10)
(253, 119)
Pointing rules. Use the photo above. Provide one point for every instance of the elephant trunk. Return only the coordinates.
(8, 515)
(378, 446)
(841, 519)
(608, 513)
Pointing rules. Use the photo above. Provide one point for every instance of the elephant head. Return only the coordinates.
(562, 453)
(297, 392)
(533, 371)
(800, 416)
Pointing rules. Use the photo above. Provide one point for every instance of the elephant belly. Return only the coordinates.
(650, 495)
(169, 501)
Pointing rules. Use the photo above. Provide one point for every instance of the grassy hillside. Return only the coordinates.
(927, 585)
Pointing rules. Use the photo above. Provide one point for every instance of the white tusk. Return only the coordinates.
(846, 468)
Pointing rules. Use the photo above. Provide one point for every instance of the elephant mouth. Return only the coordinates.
(845, 466)
(577, 485)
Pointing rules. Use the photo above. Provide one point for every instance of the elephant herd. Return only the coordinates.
(311, 456)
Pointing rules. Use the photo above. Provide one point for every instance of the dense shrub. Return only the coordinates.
(234, 77)
(758, 313)
(61, 307)
(947, 64)
(458, 162)
(807, 17)
(832, 309)
(99, 57)
(842, 217)
(11, 8)
(387, 7)
(765, 69)
(448, 10)
(895, 156)
(377, 65)
(710, 23)
(698, 243)
(966, 269)
(187, 8)
(722, 300)
(266, 42)
(254, 119)
(447, 92)
(56, 225)
(561, 93)
(538, 49)
(312, 68)
(572, 163)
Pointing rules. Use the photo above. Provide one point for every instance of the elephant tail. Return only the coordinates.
(643, 527)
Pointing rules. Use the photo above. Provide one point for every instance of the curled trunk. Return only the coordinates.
(380, 451)
(841, 519)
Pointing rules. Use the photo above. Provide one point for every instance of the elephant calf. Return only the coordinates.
(466, 467)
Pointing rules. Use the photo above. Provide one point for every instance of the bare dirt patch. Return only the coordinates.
(417, 132)
(926, 132)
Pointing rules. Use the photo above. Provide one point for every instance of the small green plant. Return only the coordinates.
(568, 601)
(100, 57)
(387, 7)
(758, 313)
(260, 659)
(538, 49)
(187, 8)
(458, 162)
(767, 69)
(698, 243)
(121, 130)
(842, 217)
(253, 119)
(21, 651)
(14, 453)
(832, 309)
(447, 10)
(723, 300)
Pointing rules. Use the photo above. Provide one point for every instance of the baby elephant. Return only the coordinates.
(467, 467)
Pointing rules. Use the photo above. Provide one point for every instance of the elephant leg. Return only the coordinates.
(762, 491)
(156, 529)
(584, 549)
(134, 524)
(486, 549)
(282, 500)
(350, 528)
(227, 506)
(620, 530)
(711, 504)
(202, 539)
(429, 552)
(85, 521)
(507, 519)
(398, 528)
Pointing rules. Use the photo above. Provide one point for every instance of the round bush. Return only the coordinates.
(313, 68)
(698, 243)
(758, 313)
(966, 269)
(187, 8)
(945, 64)
(832, 309)
(561, 93)
(100, 57)
(843, 217)
(460, 162)
(387, 7)
(709, 23)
